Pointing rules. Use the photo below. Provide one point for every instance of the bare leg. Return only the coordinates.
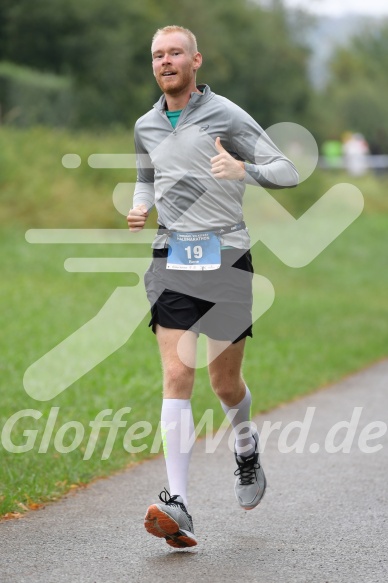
(225, 371)
(178, 378)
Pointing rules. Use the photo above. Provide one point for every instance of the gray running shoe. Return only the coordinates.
(170, 520)
(251, 483)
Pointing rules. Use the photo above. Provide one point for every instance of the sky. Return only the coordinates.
(339, 7)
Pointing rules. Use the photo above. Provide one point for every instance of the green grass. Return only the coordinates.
(328, 319)
(37, 191)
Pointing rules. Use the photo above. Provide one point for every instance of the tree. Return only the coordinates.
(356, 93)
(251, 54)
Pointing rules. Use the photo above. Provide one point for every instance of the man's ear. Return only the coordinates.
(197, 61)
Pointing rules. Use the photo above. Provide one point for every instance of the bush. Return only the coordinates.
(28, 97)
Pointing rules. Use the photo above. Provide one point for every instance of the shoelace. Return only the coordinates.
(246, 470)
(169, 500)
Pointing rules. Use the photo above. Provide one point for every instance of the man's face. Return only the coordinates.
(173, 63)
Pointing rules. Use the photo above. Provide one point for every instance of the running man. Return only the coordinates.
(195, 152)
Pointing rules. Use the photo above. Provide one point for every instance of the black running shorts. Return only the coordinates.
(217, 303)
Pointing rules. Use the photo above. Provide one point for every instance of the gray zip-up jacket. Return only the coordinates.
(174, 169)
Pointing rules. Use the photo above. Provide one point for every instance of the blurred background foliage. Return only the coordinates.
(87, 64)
(74, 77)
(358, 87)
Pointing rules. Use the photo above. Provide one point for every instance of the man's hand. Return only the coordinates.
(225, 166)
(137, 217)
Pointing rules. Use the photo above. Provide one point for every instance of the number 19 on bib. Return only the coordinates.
(194, 251)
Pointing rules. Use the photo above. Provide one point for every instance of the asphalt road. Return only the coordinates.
(323, 518)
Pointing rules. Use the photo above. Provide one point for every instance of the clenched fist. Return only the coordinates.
(137, 217)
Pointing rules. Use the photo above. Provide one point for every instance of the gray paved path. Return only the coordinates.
(323, 519)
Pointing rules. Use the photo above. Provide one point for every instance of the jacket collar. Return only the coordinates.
(195, 100)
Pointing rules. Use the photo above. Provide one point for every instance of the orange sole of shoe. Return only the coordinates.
(160, 524)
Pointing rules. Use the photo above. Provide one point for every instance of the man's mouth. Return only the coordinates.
(168, 74)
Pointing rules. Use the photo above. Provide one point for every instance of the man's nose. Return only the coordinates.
(166, 59)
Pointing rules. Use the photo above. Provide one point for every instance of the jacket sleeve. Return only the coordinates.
(265, 164)
(144, 188)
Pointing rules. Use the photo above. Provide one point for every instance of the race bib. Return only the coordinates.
(194, 251)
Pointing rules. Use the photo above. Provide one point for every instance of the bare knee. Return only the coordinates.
(178, 381)
(229, 388)
(225, 361)
(178, 374)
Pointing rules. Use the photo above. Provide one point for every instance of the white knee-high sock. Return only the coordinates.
(245, 444)
(177, 428)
